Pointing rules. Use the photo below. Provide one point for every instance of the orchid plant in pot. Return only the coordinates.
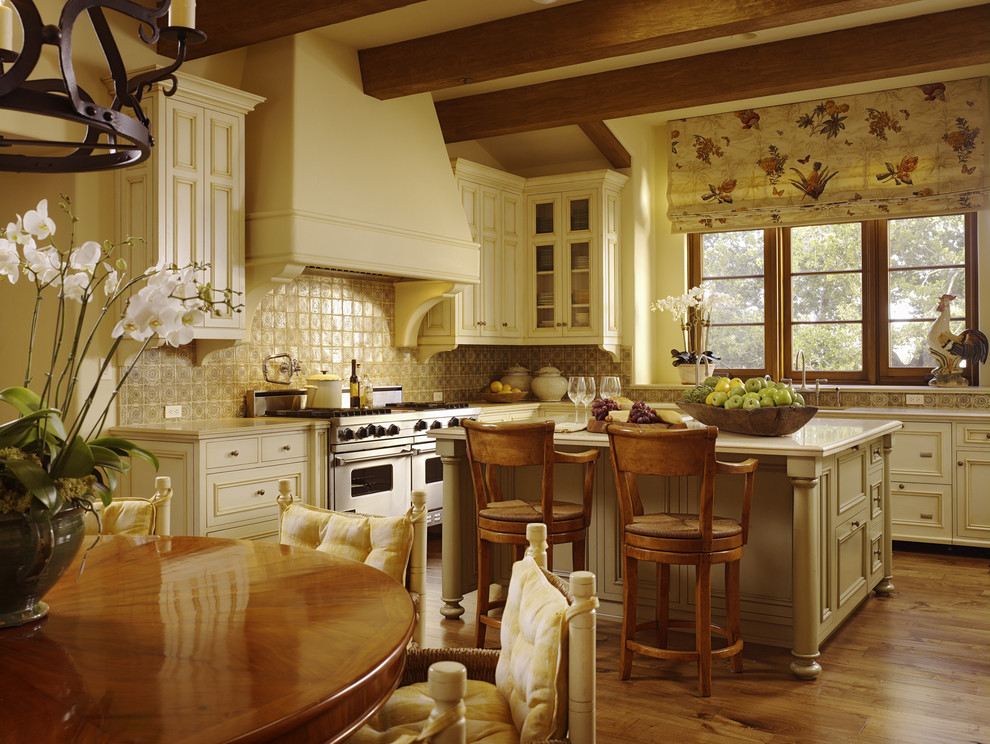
(693, 310)
(54, 463)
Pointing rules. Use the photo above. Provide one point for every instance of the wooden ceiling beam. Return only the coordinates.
(607, 143)
(571, 34)
(231, 24)
(929, 43)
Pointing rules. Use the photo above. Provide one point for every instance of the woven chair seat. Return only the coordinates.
(681, 526)
(525, 511)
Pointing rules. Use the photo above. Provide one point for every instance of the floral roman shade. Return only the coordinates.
(907, 152)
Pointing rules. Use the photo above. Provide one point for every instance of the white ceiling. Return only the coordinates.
(533, 153)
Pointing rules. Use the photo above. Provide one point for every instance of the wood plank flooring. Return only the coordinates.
(913, 668)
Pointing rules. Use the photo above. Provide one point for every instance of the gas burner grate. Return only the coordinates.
(330, 413)
(437, 405)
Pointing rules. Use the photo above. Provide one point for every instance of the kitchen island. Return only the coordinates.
(820, 537)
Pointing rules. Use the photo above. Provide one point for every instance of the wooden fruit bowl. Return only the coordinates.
(760, 422)
(503, 397)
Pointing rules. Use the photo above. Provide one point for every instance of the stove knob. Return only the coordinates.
(345, 434)
(436, 425)
(454, 422)
(393, 430)
(380, 431)
(363, 432)
(420, 425)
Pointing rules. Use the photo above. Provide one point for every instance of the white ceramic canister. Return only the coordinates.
(518, 377)
(549, 384)
(323, 391)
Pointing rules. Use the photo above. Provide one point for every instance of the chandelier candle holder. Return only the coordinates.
(110, 136)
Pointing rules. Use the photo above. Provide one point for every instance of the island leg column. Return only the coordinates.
(806, 574)
(451, 547)
(886, 586)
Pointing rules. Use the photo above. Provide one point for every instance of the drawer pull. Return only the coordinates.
(854, 524)
(924, 454)
(286, 447)
(235, 453)
(261, 492)
(959, 463)
(927, 516)
(900, 485)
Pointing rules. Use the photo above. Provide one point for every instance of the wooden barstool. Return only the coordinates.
(491, 447)
(667, 539)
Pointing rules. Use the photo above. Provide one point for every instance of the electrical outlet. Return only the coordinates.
(172, 412)
(915, 399)
(107, 374)
(437, 396)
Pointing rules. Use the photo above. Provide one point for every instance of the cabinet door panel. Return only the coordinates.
(853, 563)
(921, 511)
(972, 499)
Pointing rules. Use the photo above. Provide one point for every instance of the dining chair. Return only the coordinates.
(539, 687)
(394, 545)
(134, 515)
(669, 538)
(494, 447)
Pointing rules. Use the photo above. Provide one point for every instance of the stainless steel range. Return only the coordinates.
(376, 457)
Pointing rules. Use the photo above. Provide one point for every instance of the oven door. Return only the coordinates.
(427, 475)
(374, 481)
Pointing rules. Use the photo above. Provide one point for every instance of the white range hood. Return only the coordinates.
(337, 179)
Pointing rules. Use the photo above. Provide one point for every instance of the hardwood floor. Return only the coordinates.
(913, 668)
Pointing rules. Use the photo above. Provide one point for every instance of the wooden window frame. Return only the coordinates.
(779, 354)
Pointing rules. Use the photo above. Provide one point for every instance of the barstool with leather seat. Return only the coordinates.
(667, 539)
(491, 447)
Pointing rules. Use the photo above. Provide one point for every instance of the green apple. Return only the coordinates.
(782, 397)
(751, 396)
(767, 401)
(734, 401)
(798, 399)
(737, 390)
(753, 402)
(755, 384)
(718, 398)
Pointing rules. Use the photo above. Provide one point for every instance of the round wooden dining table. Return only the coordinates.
(194, 639)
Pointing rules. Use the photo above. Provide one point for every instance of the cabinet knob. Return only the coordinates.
(261, 491)
(235, 453)
(900, 485)
(988, 435)
(855, 524)
(286, 447)
(959, 463)
(564, 323)
(505, 325)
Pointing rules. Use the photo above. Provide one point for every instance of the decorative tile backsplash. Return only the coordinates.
(325, 320)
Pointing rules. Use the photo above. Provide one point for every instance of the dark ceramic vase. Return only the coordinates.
(33, 556)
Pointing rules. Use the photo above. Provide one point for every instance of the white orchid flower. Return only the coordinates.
(111, 281)
(43, 264)
(10, 261)
(38, 223)
(74, 286)
(181, 329)
(86, 256)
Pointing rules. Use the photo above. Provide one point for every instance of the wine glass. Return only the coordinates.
(589, 395)
(611, 387)
(576, 390)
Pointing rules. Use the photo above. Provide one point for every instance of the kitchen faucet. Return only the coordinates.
(804, 379)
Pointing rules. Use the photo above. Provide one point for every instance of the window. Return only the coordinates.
(858, 299)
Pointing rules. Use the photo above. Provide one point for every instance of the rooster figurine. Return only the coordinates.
(949, 349)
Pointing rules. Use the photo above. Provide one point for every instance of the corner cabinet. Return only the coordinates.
(573, 260)
(486, 312)
(185, 203)
(550, 262)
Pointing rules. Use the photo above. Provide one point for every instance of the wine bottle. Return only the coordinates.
(355, 386)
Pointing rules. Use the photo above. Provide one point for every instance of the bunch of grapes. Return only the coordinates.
(601, 407)
(640, 413)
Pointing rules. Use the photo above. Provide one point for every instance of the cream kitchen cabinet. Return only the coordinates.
(225, 475)
(972, 484)
(487, 312)
(185, 203)
(921, 473)
(573, 259)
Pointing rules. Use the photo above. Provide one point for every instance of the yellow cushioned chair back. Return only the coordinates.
(532, 667)
(128, 517)
(381, 542)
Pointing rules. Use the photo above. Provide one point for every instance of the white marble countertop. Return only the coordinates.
(819, 437)
(212, 427)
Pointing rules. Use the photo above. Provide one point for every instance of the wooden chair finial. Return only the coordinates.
(536, 533)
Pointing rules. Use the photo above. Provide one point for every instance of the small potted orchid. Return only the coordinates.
(53, 468)
(693, 310)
